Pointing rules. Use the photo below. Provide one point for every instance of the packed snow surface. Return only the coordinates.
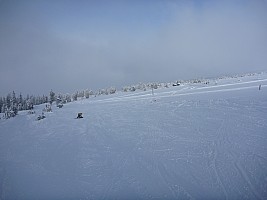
(193, 141)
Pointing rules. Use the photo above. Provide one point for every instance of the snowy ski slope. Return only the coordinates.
(194, 141)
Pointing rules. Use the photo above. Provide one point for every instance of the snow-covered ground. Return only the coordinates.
(193, 141)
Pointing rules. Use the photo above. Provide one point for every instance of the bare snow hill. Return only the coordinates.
(193, 141)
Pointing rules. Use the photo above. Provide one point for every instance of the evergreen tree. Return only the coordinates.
(14, 105)
(112, 90)
(8, 101)
(81, 94)
(14, 99)
(68, 98)
(20, 102)
(45, 99)
(59, 99)
(75, 96)
(1, 104)
(86, 92)
(3, 108)
(52, 97)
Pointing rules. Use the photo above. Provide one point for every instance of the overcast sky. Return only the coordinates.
(69, 45)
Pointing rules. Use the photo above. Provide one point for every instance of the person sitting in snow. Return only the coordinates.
(79, 115)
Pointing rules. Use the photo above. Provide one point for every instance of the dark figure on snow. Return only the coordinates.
(80, 115)
(259, 87)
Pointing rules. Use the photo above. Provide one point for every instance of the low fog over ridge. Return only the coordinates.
(77, 44)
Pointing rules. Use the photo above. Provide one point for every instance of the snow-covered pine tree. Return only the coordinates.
(75, 96)
(52, 97)
(86, 93)
(81, 94)
(125, 89)
(59, 99)
(29, 104)
(45, 99)
(112, 90)
(14, 104)
(132, 89)
(8, 101)
(3, 108)
(68, 98)
(1, 104)
(20, 102)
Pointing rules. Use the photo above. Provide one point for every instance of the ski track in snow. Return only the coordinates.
(186, 142)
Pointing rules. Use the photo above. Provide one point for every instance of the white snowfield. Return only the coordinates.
(193, 141)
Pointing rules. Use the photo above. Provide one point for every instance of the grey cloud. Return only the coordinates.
(216, 39)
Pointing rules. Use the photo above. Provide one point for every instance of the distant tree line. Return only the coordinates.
(11, 104)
